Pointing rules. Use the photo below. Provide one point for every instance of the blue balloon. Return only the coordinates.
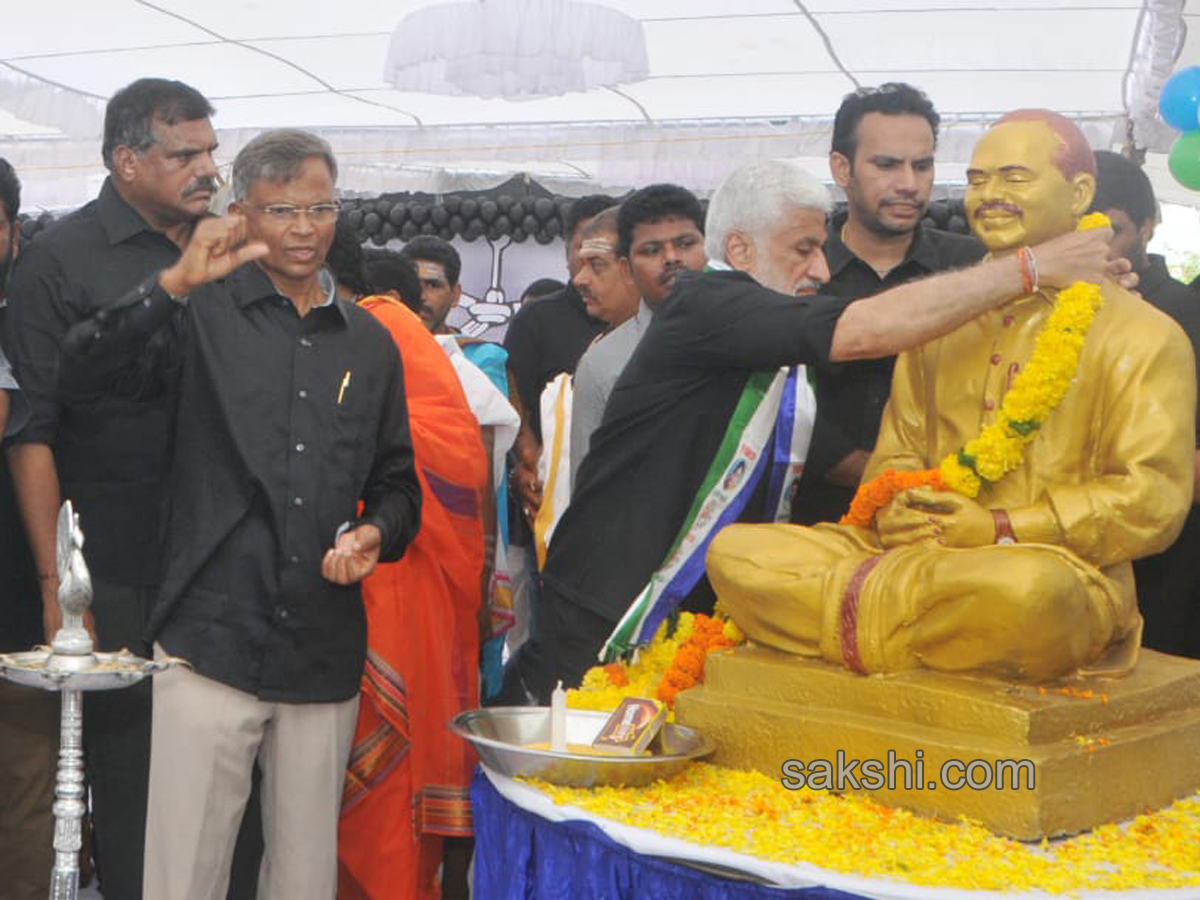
(1179, 101)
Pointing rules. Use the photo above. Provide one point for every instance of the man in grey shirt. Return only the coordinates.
(659, 232)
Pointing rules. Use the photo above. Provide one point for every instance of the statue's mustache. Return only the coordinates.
(1000, 206)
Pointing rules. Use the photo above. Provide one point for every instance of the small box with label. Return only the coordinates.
(631, 727)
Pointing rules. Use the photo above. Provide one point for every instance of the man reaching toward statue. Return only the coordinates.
(1051, 442)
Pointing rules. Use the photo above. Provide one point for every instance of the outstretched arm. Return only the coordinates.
(916, 312)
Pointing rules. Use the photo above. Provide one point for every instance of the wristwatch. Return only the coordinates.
(1004, 529)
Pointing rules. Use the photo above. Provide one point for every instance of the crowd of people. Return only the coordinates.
(354, 523)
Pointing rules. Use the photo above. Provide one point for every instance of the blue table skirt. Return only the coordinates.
(521, 856)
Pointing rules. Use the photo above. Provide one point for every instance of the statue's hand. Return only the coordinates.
(944, 517)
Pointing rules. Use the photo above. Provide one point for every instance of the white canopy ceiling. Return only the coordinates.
(728, 81)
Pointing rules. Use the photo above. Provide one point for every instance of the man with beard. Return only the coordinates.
(882, 157)
(109, 457)
(716, 344)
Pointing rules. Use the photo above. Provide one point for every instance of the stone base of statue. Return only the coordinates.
(1098, 750)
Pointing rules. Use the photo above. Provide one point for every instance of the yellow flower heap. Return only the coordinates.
(754, 814)
(1035, 393)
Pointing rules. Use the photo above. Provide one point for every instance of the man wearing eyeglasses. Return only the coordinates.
(109, 457)
(290, 412)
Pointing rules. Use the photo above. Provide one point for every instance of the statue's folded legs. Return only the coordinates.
(1026, 613)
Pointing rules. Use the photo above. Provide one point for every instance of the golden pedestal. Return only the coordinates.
(1099, 750)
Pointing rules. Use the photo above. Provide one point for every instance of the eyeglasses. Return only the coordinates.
(320, 213)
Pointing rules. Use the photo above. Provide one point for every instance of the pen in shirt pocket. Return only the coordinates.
(342, 389)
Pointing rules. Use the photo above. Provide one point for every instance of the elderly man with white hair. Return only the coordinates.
(707, 423)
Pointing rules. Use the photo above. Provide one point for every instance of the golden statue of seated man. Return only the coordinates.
(1031, 580)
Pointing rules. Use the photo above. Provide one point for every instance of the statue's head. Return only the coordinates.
(1032, 176)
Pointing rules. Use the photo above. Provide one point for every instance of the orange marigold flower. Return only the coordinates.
(690, 660)
(617, 676)
(680, 679)
(879, 491)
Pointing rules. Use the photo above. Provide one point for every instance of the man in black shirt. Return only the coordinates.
(672, 404)
(109, 456)
(882, 157)
(289, 408)
(28, 716)
(1168, 583)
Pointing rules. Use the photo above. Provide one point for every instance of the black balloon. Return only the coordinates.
(488, 210)
(469, 209)
(397, 215)
(544, 209)
(371, 223)
(438, 216)
(409, 231)
(418, 212)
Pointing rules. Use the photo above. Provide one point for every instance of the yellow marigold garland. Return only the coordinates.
(1035, 393)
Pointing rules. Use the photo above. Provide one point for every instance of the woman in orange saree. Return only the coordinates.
(407, 783)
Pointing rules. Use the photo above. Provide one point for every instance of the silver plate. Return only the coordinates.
(500, 735)
(33, 668)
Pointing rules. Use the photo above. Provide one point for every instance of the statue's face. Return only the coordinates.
(1016, 195)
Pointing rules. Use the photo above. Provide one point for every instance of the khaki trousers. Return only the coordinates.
(29, 720)
(206, 737)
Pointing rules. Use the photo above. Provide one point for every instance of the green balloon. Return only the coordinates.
(1184, 161)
